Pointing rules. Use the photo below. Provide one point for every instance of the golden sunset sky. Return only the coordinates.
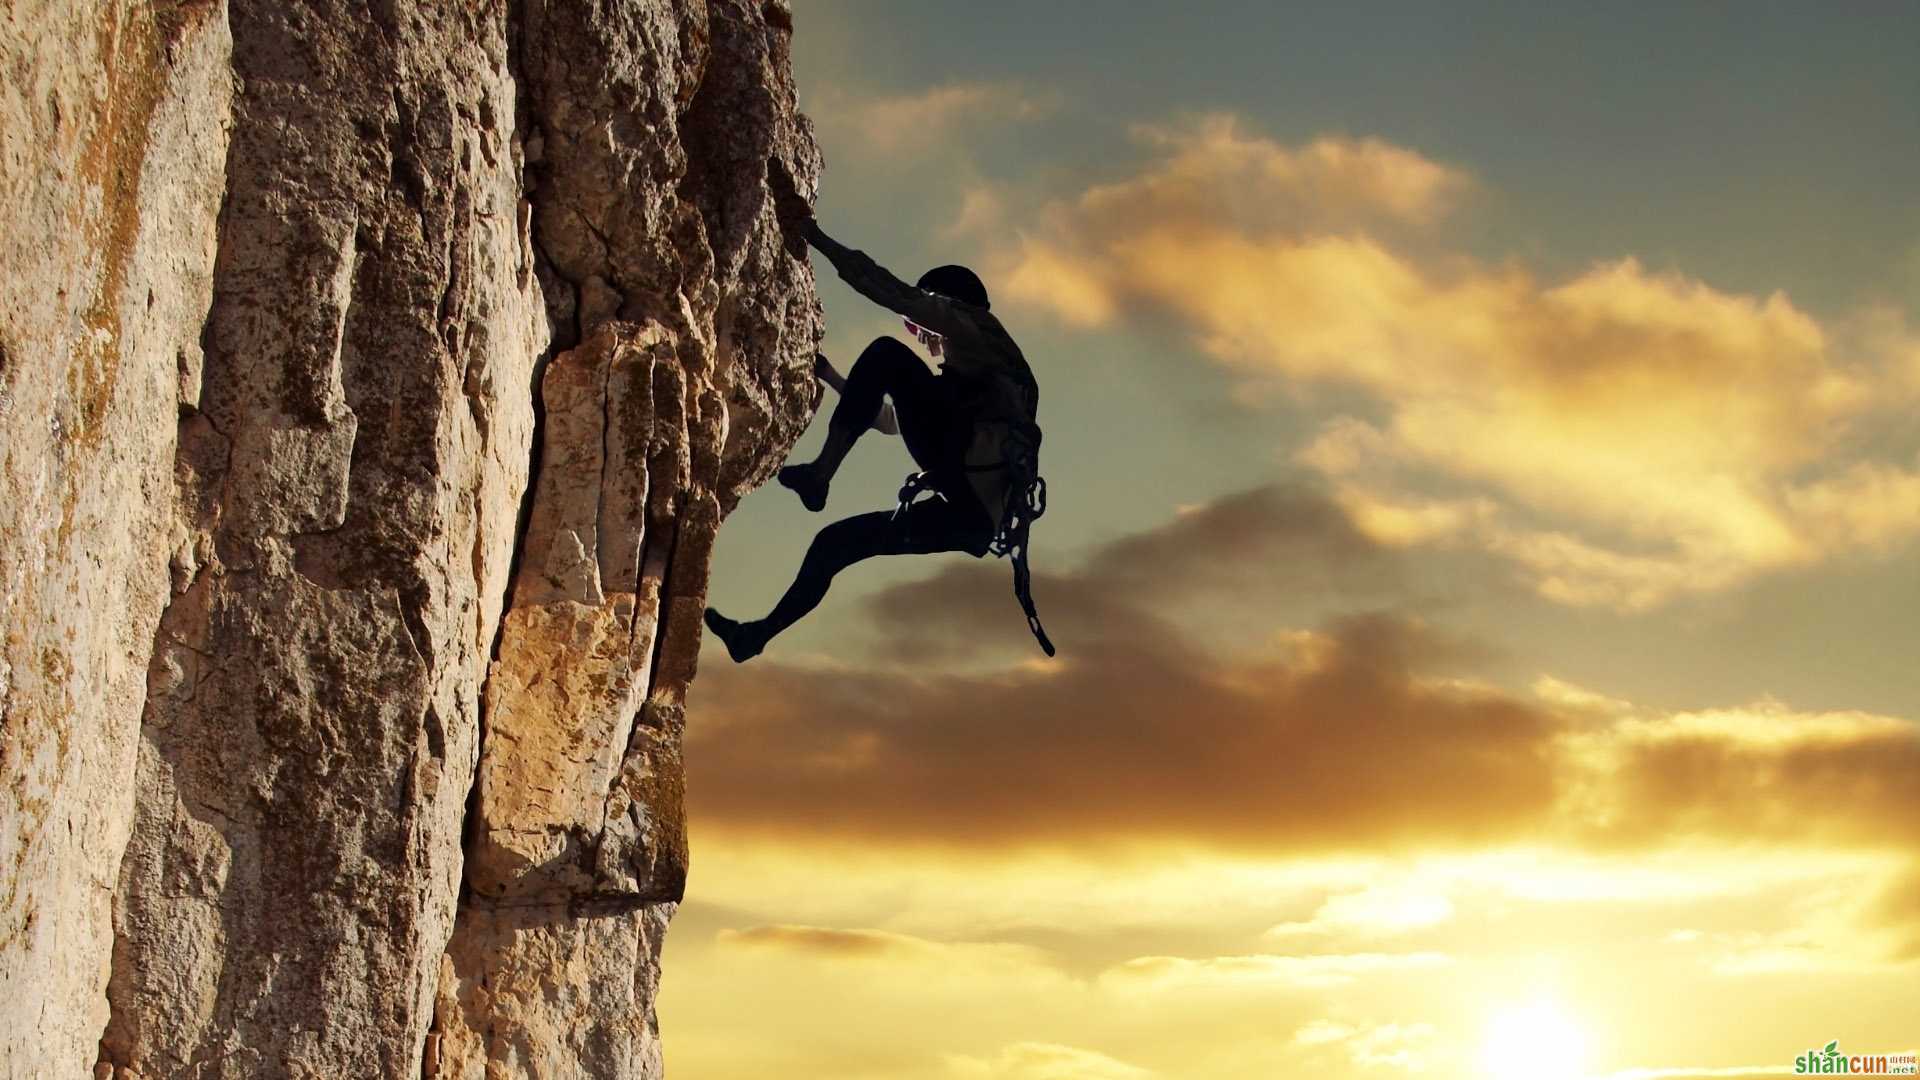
(1484, 488)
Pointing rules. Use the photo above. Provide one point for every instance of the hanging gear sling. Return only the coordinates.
(1026, 501)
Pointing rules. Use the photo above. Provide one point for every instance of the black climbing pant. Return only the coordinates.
(933, 423)
(937, 432)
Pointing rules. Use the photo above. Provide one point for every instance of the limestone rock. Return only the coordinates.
(373, 383)
(113, 131)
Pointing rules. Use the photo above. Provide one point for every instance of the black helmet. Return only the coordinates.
(957, 282)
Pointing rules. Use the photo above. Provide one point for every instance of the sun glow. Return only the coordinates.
(1533, 1041)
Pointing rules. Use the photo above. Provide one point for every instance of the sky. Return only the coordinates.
(1483, 498)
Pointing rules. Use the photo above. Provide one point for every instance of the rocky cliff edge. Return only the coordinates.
(373, 379)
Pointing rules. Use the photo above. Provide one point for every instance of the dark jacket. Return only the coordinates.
(979, 358)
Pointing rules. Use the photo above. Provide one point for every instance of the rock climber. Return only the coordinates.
(970, 428)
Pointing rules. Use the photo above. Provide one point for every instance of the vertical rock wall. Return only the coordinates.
(355, 540)
(113, 130)
(349, 466)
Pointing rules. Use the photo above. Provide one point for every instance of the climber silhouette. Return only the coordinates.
(970, 429)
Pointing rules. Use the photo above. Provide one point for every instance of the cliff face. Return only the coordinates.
(373, 380)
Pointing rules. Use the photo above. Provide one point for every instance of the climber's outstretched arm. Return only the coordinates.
(937, 313)
(885, 421)
(871, 280)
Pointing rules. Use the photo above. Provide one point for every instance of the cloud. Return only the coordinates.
(916, 123)
(1326, 740)
(1314, 972)
(1868, 504)
(1045, 1061)
(1400, 1047)
(1209, 167)
(1376, 911)
(1623, 436)
(866, 944)
(1354, 735)
(1290, 532)
(1762, 771)
(982, 212)
(1090, 258)
(823, 940)
(1272, 540)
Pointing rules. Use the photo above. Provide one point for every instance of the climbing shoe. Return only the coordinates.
(742, 641)
(804, 481)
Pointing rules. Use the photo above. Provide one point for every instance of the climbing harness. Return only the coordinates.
(1026, 502)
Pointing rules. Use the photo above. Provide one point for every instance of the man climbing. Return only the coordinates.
(970, 429)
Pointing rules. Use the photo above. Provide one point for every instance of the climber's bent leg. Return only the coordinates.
(926, 527)
(888, 368)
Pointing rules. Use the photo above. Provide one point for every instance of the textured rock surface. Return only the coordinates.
(346, 633)
(112, 133)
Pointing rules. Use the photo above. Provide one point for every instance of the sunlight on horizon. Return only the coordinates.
(1533, 1041)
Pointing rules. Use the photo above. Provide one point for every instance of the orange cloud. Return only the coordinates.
(1348, 737)
(1309, 742)
(1210, 167)
(1762, 772)
(837, 943)
(1622, 436)
(820, 939)
(1130, 740)
(913, 123)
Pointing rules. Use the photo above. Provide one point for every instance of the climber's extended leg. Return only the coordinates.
(929, 526)
(887, 367)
